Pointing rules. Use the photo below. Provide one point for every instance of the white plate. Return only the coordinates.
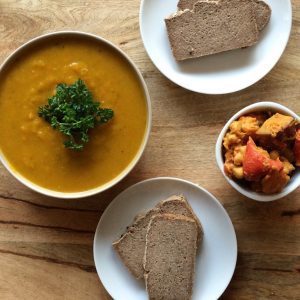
(220, 73)
(217, 257)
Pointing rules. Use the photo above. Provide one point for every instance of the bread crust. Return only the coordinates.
(262, 10)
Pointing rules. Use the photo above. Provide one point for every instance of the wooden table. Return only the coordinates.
(46, 244)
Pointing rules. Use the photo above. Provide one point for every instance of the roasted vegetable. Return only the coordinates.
(274, 182)
(277, 123)
(263, 149)
(257, 162)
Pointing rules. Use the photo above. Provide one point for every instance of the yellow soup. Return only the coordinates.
(35, 150)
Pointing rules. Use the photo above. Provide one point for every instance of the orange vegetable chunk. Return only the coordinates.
(274, 182)
(257, 162)
(277, 123)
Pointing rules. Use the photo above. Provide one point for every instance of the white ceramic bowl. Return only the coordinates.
(295, 180)
(108, 185)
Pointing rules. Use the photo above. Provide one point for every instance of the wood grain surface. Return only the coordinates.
(46, 243)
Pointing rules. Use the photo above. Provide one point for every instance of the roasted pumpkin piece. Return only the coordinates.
(297, 148)
(274, 182)
(257, 162)
(277, 123)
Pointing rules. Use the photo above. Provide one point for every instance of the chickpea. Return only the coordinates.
(238, 172)
(233, 138)
(243, 150)
(238, 159)
(249, 124)
(230, 139)
(235, 126)
(239, 154)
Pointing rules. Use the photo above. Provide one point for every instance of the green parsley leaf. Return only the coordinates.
(73, 111)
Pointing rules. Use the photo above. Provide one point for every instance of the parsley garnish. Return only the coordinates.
(73, 111)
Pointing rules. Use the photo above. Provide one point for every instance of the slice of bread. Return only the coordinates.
(134, 239)
(178, 205)
(212, 27)
(262, 10)
(170, 256)
(131, 245)
(263, 14)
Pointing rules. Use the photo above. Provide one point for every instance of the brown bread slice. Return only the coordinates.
(170, 256)
(177, 204)
(131, 245)
(263, 14)
(262, 10)
(212, 27)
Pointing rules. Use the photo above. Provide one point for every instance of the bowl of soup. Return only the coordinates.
(34, 152)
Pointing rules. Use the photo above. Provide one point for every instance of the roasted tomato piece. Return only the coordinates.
(297, 148)
(257, 162)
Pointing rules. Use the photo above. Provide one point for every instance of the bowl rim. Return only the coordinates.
(258, 106)
(76, 195)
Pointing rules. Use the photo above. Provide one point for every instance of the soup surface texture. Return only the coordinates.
(35, 150)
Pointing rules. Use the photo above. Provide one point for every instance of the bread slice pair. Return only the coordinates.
(213, 26)
(131, 246)
(170, 256)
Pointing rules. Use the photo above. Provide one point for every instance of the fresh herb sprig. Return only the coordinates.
(73, 111)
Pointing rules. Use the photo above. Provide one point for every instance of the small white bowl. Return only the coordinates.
(137, 157)
(295, 180)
